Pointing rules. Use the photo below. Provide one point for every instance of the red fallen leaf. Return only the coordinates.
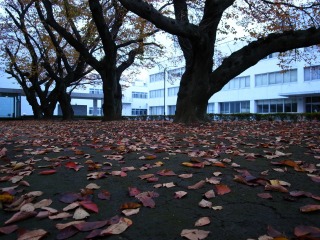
(265, 195)
(20, 216)
(90, 206)
(222, 189)
(89, 226)
(67, 233)
(301, 231)
(93, 234)
(117, 228)
(73, 165)
(104, 195)
(146, 199)
(48, 172)
(153, 179)
(133, 191)
(34, 235)
(198, 185)
(310, 208)
(219, 164)
(166, 172)
(69, 197)
(8, 229)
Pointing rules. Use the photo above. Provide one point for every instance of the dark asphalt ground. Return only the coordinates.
(239, 146)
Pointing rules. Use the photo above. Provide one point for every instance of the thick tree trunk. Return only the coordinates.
(65, 104)
(32, 100)
(194, 88)
(112, 106)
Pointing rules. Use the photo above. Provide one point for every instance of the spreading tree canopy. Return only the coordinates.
(271, 26)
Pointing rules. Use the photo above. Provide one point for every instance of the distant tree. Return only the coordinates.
(273, 26)
(124, 39)
(40, 61)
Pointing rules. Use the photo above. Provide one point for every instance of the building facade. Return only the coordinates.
(263, 88)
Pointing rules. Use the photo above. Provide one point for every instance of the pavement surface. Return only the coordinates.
(249, 179)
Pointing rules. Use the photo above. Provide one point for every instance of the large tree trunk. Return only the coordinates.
(194, 88)
(112, 106)
(64, 100)
(32, 100)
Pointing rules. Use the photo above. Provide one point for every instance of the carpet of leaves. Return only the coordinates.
(159, 180)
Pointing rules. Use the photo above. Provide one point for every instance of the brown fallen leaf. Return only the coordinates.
(180, 194)
(20, 216)
(33, 235)
(222, 189)
(306, 231)
(8, 229)
(310, 208)
(202, 222)
(265, 195)
(117, 228)
(198, 185)
(60, 215)
(129, 212)
(194, 234)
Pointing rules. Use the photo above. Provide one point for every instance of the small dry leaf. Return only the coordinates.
(194, 234)
(205, 204)
(60, 215)
(180, 194)
(71, 206)
(210, 194)
(310, 208)
(185, 175)
(217, 207)
(198, 185)
(92, 186)
(29, 207)
(129, 212)
(169, 185)
(265, 195)
(80, 213)
(43, 203)
(61, 226)
(202, 222)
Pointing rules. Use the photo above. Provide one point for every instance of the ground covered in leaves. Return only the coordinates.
(159, 180)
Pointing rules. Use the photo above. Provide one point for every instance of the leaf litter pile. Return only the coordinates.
(159, 180)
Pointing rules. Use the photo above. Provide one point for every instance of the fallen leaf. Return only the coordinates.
(209, 194)
(92, 186)
(205, 204)
(133, 191)
(80, 214)
(117, 228)
(91, 206)
(89, 226)
(198, 185)
(20, 216)
(306, 231)
(194, 234)
(61, 226)
(180, 194)
(60, 215)
(66, 233)
(104, 195)
(202, 222)
(48, 172)
(222, 189)
(265, 195)
(185, 175)
(310, 208)
(130, 205)
(33, 235)
(217, 207)
(166, 172)
(8, 229)
(129, 212)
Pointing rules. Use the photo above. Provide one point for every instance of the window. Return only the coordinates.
(276, 77)
(98, 111)
(157, 110)
(139, 95)
(95, 91)
(210, 108)
(313, 104)
(272, 55)
(312, 73)
(138, 112)
(237, 83)
(156, 77)
(175, 74)
(277, 105)
(173, 91)
(157, 93)
(172, 110)
(235, 107)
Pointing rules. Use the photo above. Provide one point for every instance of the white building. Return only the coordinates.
(263, 88)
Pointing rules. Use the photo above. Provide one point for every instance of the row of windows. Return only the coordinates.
(95, 91)
(237, 83)
(312, 73)
(235, 107)
(276, 77)
(139, 95)
(159, 93)
(157, 77)
(173, 91)
(313, 104)
(138, 112)
(277, 106)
